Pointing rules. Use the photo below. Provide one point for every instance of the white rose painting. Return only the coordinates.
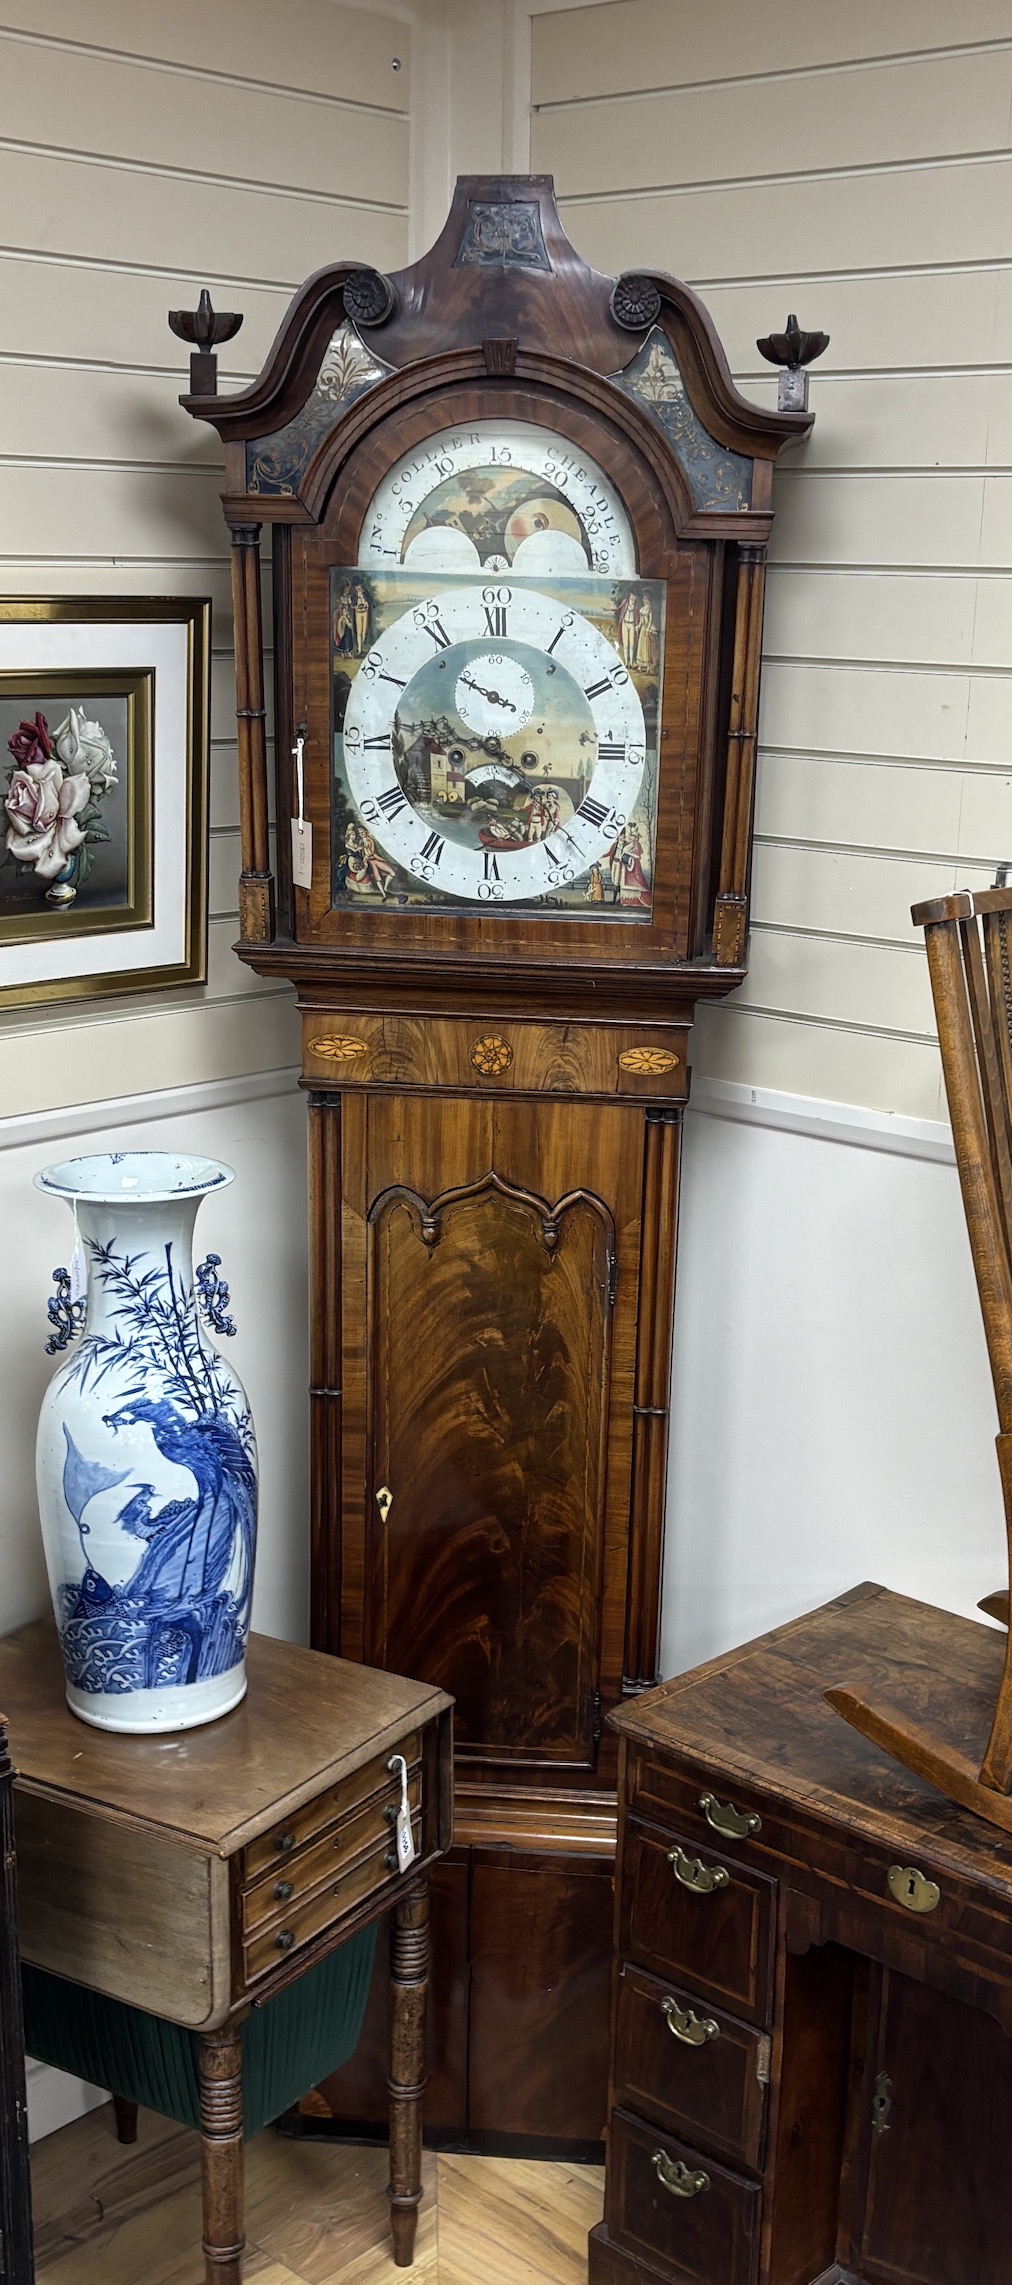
(59, 778)
(68, 805)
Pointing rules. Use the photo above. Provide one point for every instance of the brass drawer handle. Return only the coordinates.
(693, 2030)
(284, 1842)
(673, 2176)
(284, 1940)
(283, 1889)
(735, 1824)
(908, 1886)
(692, 1873)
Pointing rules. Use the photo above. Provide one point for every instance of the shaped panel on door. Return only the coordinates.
(490, 1313)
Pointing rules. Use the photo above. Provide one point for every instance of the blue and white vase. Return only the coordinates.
(146, 1458)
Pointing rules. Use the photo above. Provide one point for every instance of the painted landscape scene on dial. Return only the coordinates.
(495, 742)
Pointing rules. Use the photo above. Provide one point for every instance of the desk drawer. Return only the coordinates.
(666, 2202)
(703, 1919)
(717, 1811)
(693, 2071)
(326, 1809)
(281, 1890)
(280, 1939)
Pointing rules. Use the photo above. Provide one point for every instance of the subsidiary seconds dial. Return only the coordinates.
(494, 694)
(494, 771)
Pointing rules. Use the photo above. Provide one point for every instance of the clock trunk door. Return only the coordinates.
(488, 1406)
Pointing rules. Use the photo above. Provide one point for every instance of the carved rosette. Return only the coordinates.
(635, 302)
(369, 297)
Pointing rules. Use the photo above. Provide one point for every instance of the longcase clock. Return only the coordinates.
(518, 516)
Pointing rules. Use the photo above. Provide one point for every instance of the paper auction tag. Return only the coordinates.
(302, 853)
(406, 1851)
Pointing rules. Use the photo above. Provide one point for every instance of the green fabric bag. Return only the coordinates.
(294, 2039)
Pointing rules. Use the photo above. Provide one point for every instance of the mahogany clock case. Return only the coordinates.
(496, 1082)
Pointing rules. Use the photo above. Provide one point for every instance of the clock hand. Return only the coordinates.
(493, 696)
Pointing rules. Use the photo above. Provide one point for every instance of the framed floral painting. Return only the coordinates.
(103, 795)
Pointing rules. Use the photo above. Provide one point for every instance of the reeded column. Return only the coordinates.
(651, 1406)
(256, 886)
(730, 919)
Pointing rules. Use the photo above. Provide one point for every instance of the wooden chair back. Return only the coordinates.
(969, 946)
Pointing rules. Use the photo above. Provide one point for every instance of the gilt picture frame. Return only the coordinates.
(104, 735)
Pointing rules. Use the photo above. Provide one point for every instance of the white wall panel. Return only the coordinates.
(883, 116)
(644, 44)
(833, 1418)
(912, 217)
(329, 49)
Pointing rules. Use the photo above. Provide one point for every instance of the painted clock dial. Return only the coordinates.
(495, 742)
(499, 496)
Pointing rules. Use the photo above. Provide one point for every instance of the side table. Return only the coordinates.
(811, 2057)
(195, 1874)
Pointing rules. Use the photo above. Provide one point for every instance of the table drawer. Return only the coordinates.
(280, 1891)
(699, 1917)
(325, 1809)
(672, 2206)
(280, 1940)
(694, 2071)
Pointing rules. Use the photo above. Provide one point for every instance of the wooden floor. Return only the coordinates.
(316, 2213)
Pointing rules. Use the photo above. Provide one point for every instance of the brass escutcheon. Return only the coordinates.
(735, 1824)
(683, 2023)
(691, 1873)
(673, 2176)
(911, 1888)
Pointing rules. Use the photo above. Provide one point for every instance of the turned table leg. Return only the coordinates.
(409, 1984)
(221, 2154)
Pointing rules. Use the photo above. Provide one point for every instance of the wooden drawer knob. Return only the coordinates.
(679, 2179)
(283, 1842)
(691, 1873)
(283, 1889)
(284, 1939)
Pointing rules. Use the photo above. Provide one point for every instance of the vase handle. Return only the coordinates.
(213, 1296)
(66, 1316)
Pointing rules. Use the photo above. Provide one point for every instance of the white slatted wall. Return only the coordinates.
(850, 161)
(147, 149)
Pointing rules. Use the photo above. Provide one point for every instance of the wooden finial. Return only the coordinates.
(206, 328)
(792, 349)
